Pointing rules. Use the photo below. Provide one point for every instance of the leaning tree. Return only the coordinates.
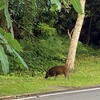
(75, 37)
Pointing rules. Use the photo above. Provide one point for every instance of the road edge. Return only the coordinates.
(36, 95)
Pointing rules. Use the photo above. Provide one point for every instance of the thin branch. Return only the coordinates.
(70, 33)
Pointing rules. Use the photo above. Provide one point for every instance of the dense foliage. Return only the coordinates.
(42, 32)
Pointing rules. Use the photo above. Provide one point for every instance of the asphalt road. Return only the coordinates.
(84, 94)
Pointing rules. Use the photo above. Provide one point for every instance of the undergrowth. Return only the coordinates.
(43, 54)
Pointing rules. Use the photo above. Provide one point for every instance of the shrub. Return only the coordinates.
(44, 53)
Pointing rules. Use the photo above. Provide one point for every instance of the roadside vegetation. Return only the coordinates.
(87, 74)
(35, 35)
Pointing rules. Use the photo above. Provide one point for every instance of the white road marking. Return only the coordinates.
(26, 98)
(68, 92)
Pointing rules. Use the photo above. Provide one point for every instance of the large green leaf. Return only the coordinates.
(9, 21)
(4, 41)
(4, 60)
(13, 42)
(9, 41)
(77, 6)
(20, 58)
(53, 8)
(57, 3)
(12, 45)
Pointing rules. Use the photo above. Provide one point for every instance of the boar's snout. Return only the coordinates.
(46, 77)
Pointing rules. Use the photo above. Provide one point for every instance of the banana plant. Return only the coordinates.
(7, 41)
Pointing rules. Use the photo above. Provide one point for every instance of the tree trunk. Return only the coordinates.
(74, 40)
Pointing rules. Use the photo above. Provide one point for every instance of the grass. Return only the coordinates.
(87, 74)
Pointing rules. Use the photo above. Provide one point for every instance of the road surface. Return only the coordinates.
(84, 94)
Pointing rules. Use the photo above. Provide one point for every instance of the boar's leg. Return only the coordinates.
(66, 75)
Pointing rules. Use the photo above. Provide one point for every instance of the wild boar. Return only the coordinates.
(57, 70)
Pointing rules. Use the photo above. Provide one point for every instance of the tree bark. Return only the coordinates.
(75, 37)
